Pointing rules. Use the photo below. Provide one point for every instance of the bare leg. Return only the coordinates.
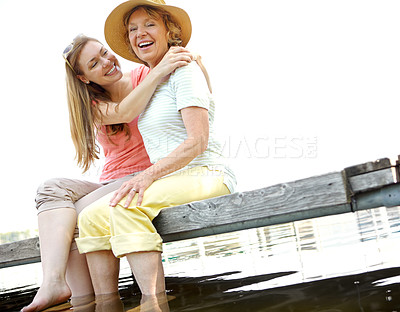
(78, 277)
(148, 270)
(83, 303)
(104, 271)
(56, 228)
(153, 303)
(109, 302)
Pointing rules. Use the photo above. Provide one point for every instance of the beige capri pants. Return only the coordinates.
(73, 193)
(127, 230)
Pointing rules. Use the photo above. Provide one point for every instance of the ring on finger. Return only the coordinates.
(133, 190)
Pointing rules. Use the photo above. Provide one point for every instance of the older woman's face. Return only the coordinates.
(148, 37)
(98, 65)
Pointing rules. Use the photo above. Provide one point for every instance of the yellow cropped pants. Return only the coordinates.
(127, 230)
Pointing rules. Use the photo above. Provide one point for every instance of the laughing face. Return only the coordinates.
(98, 65)
(148, 37)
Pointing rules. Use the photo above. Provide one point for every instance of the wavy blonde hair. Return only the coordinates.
(84, 113)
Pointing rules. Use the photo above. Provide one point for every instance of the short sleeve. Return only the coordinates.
(190, 87)
(138, 74)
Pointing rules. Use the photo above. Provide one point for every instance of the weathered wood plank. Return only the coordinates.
(383, 163)
(371, 180)
(298, 200)
(20, 252)
(386, 196)
(323, 195)
(369, 176)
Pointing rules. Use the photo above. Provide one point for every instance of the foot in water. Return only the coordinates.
(153, 303)
(47, 296)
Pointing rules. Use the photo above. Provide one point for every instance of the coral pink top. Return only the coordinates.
(122, 156)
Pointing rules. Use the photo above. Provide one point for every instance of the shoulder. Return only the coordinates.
(141, 70)
(138, 74)
(190, 69)
(188, 74)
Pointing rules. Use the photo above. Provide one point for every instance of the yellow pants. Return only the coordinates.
(127, 230)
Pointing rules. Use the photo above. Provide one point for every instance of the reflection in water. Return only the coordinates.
(351, 293)
(346, 263)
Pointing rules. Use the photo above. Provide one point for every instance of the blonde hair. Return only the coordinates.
(173, 28)
(84, 113)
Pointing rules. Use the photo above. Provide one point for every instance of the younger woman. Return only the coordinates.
(103, 103)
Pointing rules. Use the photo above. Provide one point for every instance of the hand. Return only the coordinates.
(175, 57)
(137, 184)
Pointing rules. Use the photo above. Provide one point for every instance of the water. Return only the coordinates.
(349, 262)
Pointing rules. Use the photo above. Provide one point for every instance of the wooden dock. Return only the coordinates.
(365, 186)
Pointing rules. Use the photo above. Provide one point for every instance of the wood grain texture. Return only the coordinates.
(371, 180)
(302, 199)
(317, 196)
(370, 166)
(20, 252)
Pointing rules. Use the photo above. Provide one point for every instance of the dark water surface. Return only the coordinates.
(349, 262)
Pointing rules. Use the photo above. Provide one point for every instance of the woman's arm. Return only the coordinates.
(197, 127)
(134, 104)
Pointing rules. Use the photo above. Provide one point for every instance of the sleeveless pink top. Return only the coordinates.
(122, 156)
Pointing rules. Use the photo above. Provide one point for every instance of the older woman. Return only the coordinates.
(178, 133)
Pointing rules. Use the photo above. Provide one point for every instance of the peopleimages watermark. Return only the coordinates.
(270, 147)
(249, 147)
(234, 147)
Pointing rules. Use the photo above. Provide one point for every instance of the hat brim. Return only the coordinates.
(115, 30)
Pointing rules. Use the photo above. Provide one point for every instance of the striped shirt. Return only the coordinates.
(162, 127)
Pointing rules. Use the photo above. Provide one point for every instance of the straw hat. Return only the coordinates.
(115, 30)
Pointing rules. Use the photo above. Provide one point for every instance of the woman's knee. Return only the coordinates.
(90, 217)
(48, 186)
(95, 217)
(62, 192)
(84, 220)
(52, 194)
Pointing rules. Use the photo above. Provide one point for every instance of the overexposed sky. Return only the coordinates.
(302, 88)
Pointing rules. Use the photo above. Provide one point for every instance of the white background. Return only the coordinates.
(302, 88)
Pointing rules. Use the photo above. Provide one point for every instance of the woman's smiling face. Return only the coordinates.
(148, 37)
(98, 65)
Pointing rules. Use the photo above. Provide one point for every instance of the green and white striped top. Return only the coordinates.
(162, 127)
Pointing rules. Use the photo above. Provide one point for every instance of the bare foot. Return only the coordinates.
(153, 303)
(49, 295)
